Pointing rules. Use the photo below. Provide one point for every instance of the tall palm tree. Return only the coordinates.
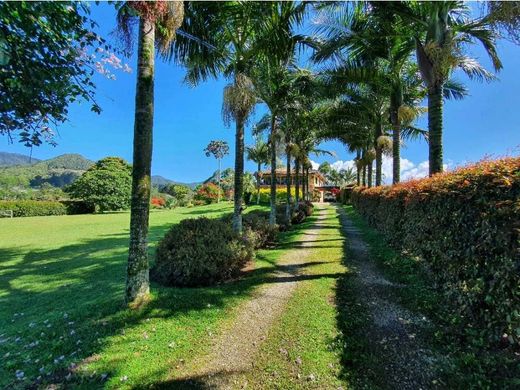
(158, 22)
(258, 153)
(441, 31)
(233, 38)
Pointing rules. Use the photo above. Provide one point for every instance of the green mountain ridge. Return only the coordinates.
(20, 171)
(58, 172)
(10, 159)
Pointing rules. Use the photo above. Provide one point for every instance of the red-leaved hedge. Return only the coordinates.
(465, 226)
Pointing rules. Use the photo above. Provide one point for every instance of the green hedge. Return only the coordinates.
(465, 226)
(33, 208)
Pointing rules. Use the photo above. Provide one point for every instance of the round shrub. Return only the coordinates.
(264, 233)
(200, 252)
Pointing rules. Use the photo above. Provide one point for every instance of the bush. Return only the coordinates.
(207, 193)
(307, 207)
(32, 208)
(265, 234)
(200, 252)
(78, 207)
(465, 227)
(281, 195)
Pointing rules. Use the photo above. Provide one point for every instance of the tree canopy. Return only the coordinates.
(107, 185)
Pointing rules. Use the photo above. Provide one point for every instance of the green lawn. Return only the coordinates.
(61, 293)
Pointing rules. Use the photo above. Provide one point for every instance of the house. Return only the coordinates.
(317, 181)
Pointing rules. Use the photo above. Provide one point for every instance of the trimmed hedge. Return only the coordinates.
(465, 226)
(35, 208)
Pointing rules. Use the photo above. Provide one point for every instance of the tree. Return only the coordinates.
(442, 30)
(233, 37)
(107, 185)
(258, 153)
(325, 168)
(158, 21)
(218, 149)
(180, 192)
(49, 46)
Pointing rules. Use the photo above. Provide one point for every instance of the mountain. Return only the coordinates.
(58, 172)
(10, 159)
(159, 181)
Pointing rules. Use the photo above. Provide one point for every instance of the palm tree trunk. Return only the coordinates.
(288, 186)
(297, 178)
(258, 183)
(219, 188)
(379, 153)
(137, 272)
(396, 139)
(358, 173)
(307, 184)
(272, 215)
(435, 109)
(369, 176)
(239, 175)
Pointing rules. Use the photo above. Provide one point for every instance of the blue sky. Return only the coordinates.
(486, 123)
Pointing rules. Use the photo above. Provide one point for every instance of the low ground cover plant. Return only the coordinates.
(464, 226)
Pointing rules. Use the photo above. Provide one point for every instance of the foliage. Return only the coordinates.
(180, 192)
(464, 226)
(107, 185)
(281, 195)
(32, 208)
(50, 42)
(207, 193)
(157, 202)
(78, 207)
(200, 252)
(217, 149)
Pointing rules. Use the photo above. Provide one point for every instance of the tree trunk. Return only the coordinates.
(309, 195)
(297, 178)
(379, 153)
(358, 173)
(370, 172)
(272, 215)
(258, 183)
(288, 186)
(395, 103)
(435, 109)
(219, 187)
(137, 272)
(239, 175)
(364, 174)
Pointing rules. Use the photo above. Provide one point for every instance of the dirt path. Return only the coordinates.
(233, 351)
(394, 333)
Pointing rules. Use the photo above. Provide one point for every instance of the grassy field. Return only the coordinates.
(61, 293)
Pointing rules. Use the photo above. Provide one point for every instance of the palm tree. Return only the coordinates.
(441, 31)
(217, 149)
(258, 153)
(167, 17)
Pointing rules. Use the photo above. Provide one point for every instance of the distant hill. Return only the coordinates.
(58, 172)
(159, 181)
(10, 159)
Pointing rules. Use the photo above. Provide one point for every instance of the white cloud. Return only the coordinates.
(409, 170)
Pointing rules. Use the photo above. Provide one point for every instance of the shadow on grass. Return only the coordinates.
(79, 288)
